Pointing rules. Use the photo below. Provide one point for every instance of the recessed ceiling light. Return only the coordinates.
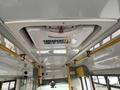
(37, 52)
(44, 51)
(76, 50)
(73, 41)
(91, 49)
(63, 51)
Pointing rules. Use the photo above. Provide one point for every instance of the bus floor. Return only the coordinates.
(58, 86)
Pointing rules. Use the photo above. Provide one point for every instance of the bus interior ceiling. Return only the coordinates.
(59, 44)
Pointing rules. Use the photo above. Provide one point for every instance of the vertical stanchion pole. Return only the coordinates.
(33, 87)
(68, 75)
(41, 71)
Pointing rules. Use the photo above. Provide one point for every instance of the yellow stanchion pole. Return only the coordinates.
(68, 75)
(41, 74)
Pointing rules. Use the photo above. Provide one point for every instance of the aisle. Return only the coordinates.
(58, 87)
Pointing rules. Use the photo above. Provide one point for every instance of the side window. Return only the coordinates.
(115, 34)
(88, 83)
(107, 82)
(106, 40)
(9, 44)
(8, 85)
(95, 79)
(101, 80)
(113, 80)
(5, 86)
(12, 85)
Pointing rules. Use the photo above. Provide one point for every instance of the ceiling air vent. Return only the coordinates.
(60, 41)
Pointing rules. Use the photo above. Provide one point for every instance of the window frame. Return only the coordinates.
(106, 75)
(9, 81)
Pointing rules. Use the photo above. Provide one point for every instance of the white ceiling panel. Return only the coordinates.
(55, 60)
(34, 9)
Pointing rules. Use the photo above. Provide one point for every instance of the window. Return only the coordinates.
(88, 83)
(12, 85)
(95, 79)
(9, 44)
(5, 86)
(99, 83)
(8, 85)
(115, 34)
(106, 40)
(101, 80)
(113, 80)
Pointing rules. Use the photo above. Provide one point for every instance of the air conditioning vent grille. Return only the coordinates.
(60, 41)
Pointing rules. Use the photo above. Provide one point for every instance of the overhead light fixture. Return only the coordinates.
(91, 49)
(73, 41)
(60, 51)
(44, 51)
(37, 52)
(76, 50)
